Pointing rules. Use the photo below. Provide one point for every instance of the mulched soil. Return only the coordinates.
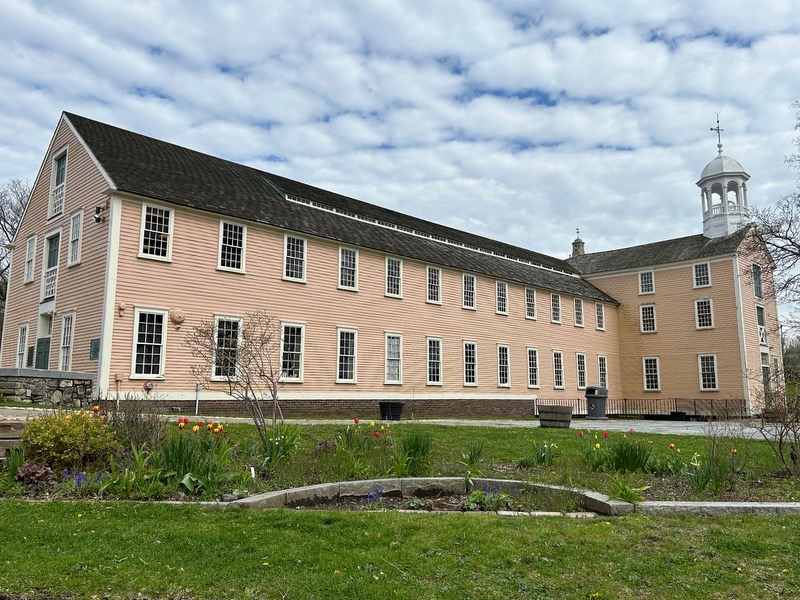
(446, 503)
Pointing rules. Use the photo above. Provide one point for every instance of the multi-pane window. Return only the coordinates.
(468, 291)
(708, 371)
(702, 275)
(761, 319)
(602, 371)
(394, 358)
(503, 375)
(580, 363)
(75, 223)
(348, 269)
(292, 351)
(533, 368)
(148, 359)
(22, 344)
(434, 285)
(599, 316)
(231, 246)
(56, 205)
(434, 361)
(758, 290)
(502, 297)
(294, 263)
(650, 370)
(704, 313)
(555, 308)
(647, 318)
(470, 363)
(30, 255)
(530, 303)
(558, 369)
(67, 329)
(578, 312)
(346, 356)
(394, 277)
(646, 282)
(156, 232)
(226, 348)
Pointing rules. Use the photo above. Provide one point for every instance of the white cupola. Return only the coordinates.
(723, 193)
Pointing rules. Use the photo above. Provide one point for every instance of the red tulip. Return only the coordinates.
(672, 446)
(377, 434)
(355, 420)
(605, 434)
(580, 433)
(95, 409)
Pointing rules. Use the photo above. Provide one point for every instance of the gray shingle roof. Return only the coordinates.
(154, 169)
(693, 247)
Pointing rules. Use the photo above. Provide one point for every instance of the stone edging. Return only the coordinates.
(416, 486)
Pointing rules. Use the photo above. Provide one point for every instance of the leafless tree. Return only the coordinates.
(14, 196)
(246, 357)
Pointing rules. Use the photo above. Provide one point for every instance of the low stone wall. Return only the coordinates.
(64, 388)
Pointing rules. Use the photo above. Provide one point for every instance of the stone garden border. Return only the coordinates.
(416, 486)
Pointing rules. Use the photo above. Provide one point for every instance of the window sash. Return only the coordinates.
(470, 363)
(294, 259)
(602, 370)
(434, 361)
(555, 308)
(292, 352)
(708, 371)
(702, 275)
(646, 282)
(468, 299)
(75, 238)
(156, 232)
(226, 348)
(578, 312)
(394, 277)
(67, 326)
(30, 258)
(530, 303)
(231, 247)
(503, 374)
(502, 297)
(558, 369)
(348, 268)
(580, 363)
(600, 316)
(394, 357)
(758, 290)
(149, 344)
(533, 368)
(704, 314)
(434, 285)
(650, 374)
(647, 318)
(22, 345)
(346, 370)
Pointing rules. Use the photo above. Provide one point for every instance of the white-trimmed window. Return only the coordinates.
(602, 370)
(394, 277)
(650, 374)
(75, 225)
(501, 296)
(434, 361)
(52, 249)
(647, 318)
(761, 320)
(225, 363)
(647, 282)
(294, 258)
(58, 185)
(533, 367)
(292, 341)
(578, 312)
(555, 308)
(30, 258)
(470, 363)
(468, 296)
(156, 240)
(580, 364)
(503, 360)
(758, 290)
(348, 269)
(704, 313)
(22, 344)
(394, 358)
(149, 344)
(232, 237)
(558, 369)
(434, 285)
(530, 303)
(67, 332)
(707, 364)
(702, 275)
(599, 316)
(346, 356)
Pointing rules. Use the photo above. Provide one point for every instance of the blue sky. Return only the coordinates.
(516, 120)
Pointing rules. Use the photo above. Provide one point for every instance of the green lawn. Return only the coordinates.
(101, 549)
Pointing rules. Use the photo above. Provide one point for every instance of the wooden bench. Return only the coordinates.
(10, 432)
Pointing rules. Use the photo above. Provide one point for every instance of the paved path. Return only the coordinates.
(745, 429)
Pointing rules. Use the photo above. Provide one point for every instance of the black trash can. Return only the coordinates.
(596, 396)
(390, 411)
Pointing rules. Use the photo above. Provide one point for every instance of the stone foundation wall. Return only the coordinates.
(64, 388)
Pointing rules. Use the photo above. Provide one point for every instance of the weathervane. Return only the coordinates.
(719, 132)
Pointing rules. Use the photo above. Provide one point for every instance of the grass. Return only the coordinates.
(97, 549)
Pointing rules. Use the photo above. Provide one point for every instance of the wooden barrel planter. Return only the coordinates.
(555, 416)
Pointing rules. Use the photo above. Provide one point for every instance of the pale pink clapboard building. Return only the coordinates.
(129, 242)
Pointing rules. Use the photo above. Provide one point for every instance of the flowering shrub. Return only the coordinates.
(74, 441)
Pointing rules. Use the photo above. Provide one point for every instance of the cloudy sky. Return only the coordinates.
(518, 120)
